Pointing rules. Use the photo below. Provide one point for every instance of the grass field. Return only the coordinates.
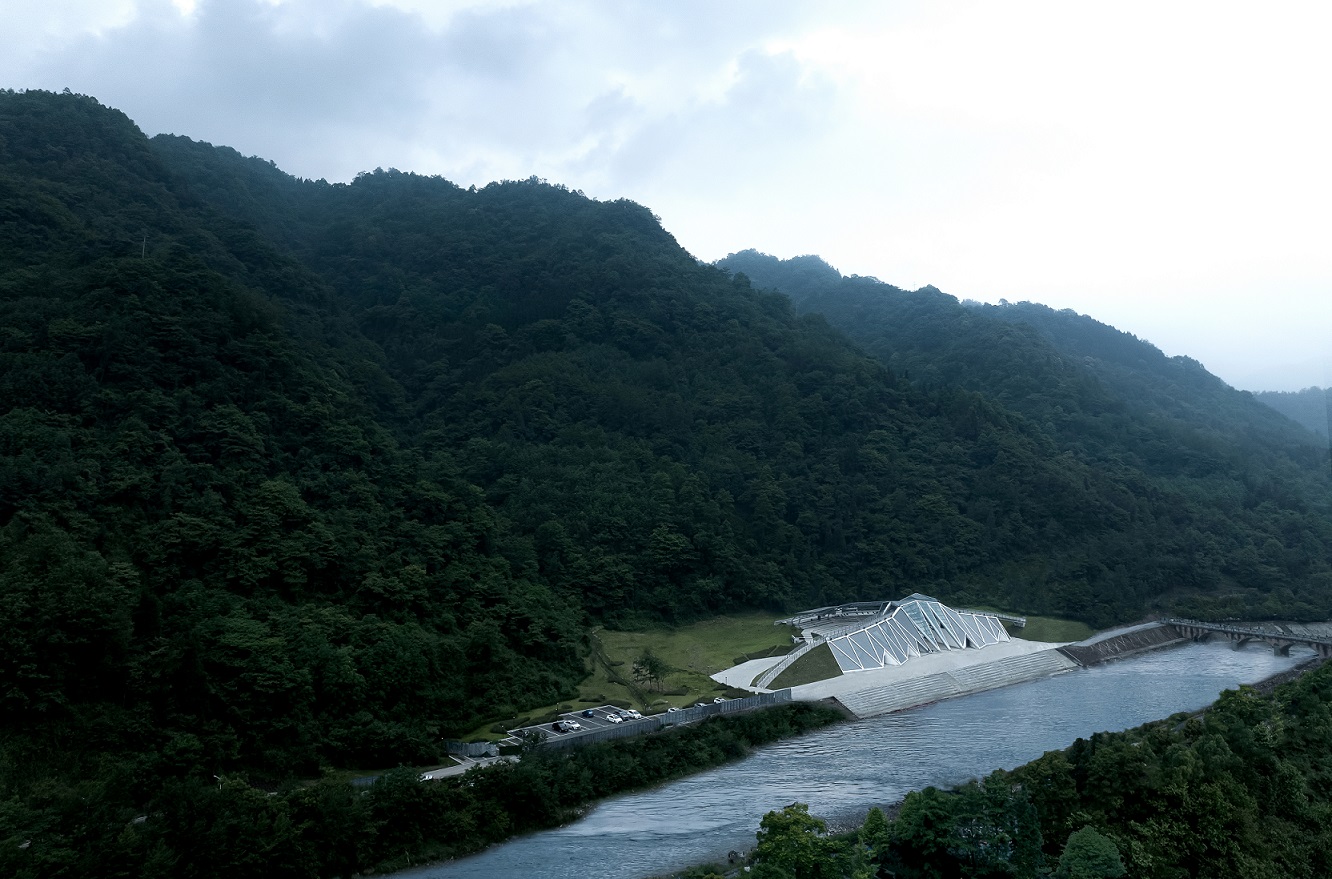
(693, 652)
(1053, 629)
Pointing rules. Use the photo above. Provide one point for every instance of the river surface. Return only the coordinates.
(844, 770)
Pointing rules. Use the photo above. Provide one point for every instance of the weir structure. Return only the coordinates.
(1281, 641)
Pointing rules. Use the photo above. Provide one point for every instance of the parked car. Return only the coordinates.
(672, 708)
(719, 700)
(589, 713)
(700, 705)
(613, 717)
(572, 724)
(631, 714)
(558, 726)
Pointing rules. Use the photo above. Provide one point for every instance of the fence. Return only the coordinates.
(669, 719)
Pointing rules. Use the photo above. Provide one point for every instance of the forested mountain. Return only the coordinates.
(1227, 487)
(297, 474)
(1311, 407)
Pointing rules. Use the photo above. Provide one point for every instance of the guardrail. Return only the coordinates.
(1020, 622)
(849, 609)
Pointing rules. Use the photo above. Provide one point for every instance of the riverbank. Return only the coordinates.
(1268, 685)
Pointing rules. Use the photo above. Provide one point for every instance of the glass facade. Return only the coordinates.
(913, 627)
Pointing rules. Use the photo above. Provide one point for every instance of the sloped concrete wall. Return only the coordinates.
(1137, 640)
(963, 681)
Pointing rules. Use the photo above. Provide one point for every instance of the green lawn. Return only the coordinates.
(693, 652)
(1053, 629)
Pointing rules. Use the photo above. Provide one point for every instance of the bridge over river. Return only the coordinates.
(1281, 641)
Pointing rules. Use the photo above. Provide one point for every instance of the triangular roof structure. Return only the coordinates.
(914, 626)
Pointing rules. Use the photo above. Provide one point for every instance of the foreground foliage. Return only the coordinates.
(227, 828)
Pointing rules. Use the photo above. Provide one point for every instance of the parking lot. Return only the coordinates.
(588, 720)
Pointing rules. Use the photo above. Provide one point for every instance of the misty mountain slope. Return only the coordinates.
(1161, 427)
(1094, 387)
(575, 339)
(543, 331)
(1309, 407)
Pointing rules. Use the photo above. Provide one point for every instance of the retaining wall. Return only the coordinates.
(472, 749)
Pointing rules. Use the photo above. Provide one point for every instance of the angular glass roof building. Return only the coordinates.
(911, 627)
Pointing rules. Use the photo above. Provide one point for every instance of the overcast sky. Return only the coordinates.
(1162, 167)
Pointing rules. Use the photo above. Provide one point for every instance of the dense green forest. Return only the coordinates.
(1243, 789)
(297, 476)
(1225, 491)
(1311, 407)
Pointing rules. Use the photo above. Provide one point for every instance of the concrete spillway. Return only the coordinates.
(1120, 643)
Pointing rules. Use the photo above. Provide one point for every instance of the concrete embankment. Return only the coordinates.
(1121, 643)
(937, 676)
(961, 681)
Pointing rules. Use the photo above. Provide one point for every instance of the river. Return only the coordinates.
(844, 770)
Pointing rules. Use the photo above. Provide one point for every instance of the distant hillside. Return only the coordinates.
(1161, 429)
(1309, 407)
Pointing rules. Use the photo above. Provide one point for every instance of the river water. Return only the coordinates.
(844, 770)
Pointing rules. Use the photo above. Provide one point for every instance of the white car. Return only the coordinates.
(614, 718)
(631, 714)
(572, 724)
(719, 700)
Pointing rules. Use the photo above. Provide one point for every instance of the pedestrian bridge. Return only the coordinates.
(1281, 641)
